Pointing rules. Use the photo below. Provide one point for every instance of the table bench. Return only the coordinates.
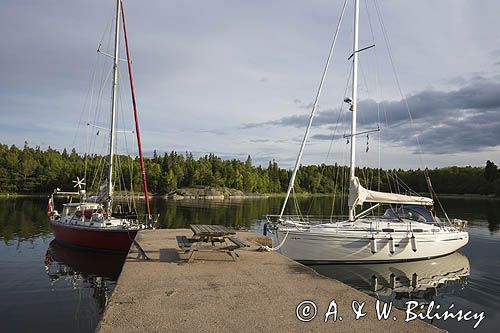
(184, 242)
(210, 234)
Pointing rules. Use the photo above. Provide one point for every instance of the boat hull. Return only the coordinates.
(345, 247)
(96, 239)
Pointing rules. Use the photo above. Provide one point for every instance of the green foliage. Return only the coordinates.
(32, 170)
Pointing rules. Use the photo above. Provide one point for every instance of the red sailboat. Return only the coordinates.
(92, 223)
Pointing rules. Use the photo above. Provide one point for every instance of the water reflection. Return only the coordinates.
(400, 282)
(493, 218)
(84, 269)
(234, 213)
(73, 295)
(23, 218)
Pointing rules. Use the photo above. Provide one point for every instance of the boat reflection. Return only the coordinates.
(84, 269)
(399, 282)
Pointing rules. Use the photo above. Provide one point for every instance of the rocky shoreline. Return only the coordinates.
(211, 193)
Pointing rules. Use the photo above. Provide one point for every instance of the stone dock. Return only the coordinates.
(258, 293)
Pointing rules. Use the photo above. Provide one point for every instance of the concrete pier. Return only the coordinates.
(258, 293)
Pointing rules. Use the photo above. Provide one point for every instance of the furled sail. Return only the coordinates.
(359, 195)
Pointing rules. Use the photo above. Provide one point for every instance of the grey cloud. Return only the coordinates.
(295, 120)
(260, 140)
(216, 131)
(326, 137)
(307, 106)
(465, 119)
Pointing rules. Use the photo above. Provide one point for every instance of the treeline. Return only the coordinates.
(33, 170)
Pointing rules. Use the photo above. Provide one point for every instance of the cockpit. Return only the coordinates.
(79, 209)
(412, 212)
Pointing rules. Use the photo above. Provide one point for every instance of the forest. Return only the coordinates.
(31, 170)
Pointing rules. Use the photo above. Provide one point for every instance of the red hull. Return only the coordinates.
(93, 238)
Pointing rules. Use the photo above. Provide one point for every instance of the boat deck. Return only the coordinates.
(258, 293)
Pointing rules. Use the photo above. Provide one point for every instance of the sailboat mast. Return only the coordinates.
(136, 117)
(113, 104)
(352, 209)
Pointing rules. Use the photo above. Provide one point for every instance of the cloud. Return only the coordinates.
(202, 69)
(327, 137)
(216, 131)
(464, 119)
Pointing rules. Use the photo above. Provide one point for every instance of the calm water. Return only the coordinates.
(46, 287)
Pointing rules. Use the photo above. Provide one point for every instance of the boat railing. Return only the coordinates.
(305, 219)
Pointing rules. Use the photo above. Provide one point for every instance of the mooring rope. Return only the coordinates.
(276, 248)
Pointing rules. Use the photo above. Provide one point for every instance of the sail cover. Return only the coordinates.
(359, 195)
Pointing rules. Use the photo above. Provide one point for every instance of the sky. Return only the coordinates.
(238, 77)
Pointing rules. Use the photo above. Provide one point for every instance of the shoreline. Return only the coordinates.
(208, 194)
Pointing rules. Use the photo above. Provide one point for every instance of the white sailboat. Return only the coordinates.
(409, 229)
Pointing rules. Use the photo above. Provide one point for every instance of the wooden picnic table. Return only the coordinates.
(209, 230)
(204, 234)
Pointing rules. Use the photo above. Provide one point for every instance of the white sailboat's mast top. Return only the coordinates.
(114, 103)
(354, 101)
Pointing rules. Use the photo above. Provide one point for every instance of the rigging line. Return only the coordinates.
(404, 185)
(334, 130)
(87, 96)
(387, 174)
(345, 162)
(342, 180)
(333, 201)
(296, 204)
(97, 170)
(88, 140)
(121, 117)
(408, 188)
(331, 143)
(129, 163)
(99, 103)
(118, 156)
(366, 174)
(131, 177)
(313, 111)
(378, 93)
(385, 34)
(106, 32)
(139, 145)
(100, 96)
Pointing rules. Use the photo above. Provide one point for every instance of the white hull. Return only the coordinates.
(330, 245)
